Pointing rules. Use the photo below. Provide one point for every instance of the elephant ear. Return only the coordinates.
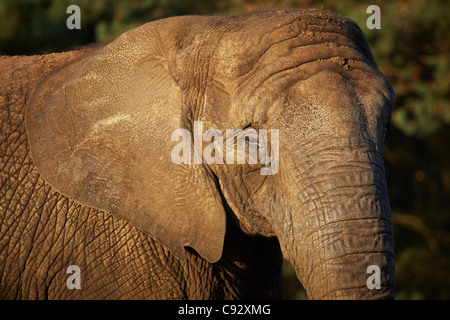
(99, 131)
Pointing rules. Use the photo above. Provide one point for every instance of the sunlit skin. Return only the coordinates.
(91, 181)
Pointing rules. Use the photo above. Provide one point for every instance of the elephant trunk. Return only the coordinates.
(348, 265)
(340, 238)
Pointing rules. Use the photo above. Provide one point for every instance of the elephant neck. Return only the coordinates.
(249, 261)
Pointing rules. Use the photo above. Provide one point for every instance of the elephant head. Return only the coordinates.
(101, 131)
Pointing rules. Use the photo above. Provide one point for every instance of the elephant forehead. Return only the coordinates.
(276, 40)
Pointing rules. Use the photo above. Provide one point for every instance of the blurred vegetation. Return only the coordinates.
(411, 49)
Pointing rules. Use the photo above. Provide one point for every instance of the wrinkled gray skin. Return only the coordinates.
(87, 178)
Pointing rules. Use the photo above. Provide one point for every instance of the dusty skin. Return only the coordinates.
(87, 177)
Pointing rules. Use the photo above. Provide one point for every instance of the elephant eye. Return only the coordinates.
(252, 140)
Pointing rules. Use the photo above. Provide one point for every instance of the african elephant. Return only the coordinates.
(88, 177)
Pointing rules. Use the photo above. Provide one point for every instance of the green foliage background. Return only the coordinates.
(411, 49)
